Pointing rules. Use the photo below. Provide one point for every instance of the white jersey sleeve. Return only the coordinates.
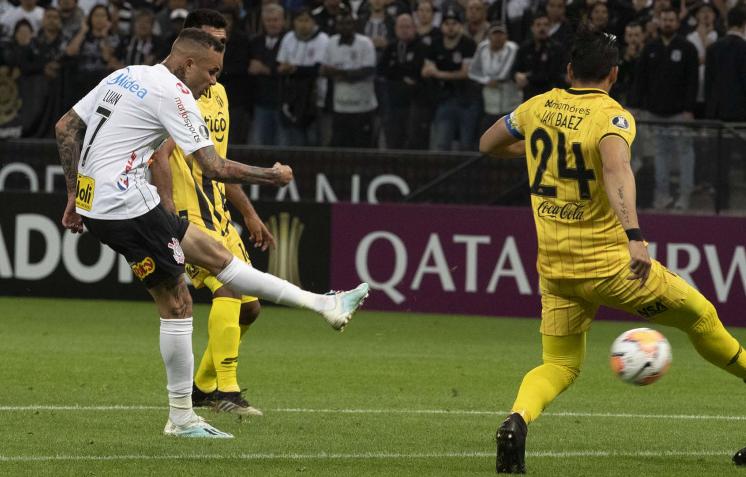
(182, 119)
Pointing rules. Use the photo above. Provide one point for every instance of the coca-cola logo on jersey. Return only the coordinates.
(569, 211)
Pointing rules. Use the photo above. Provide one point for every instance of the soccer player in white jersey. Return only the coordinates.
(105, 142)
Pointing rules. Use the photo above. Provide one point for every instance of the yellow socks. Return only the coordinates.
(217, 370)
(563, 356)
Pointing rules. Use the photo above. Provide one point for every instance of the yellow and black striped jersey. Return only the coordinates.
(578, 232)
(197, 198)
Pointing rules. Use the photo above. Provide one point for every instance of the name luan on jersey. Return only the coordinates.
(197, 198)
(578, 233)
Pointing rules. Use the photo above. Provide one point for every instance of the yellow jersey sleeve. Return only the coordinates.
(616, 121)
(517, 121)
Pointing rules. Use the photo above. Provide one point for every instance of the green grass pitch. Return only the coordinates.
(82, 392)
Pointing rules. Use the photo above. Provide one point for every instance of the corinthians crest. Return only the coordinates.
(10, 102)
(283, 260)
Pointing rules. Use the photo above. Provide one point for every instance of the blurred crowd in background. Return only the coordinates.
(394, 74)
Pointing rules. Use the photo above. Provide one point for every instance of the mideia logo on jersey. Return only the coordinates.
(128, 83)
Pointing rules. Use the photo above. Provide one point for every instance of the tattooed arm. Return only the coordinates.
(224, 170)
(620, 189)
(70, 131)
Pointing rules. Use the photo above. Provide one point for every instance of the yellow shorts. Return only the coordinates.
(201, 277)
(568, 306)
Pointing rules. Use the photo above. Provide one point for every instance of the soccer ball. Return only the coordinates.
(640, 356)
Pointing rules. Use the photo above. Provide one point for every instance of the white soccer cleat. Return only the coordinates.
(346, 303)
(197, 427)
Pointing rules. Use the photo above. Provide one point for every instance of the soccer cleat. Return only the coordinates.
(511, 445)
(201, 398)
(740, 457)
(346, 303)
(196, 427)
(234, 403)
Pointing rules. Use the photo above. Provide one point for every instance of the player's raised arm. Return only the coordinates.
(224, 170)
(500, 143)
(620, 189)
(70, 131)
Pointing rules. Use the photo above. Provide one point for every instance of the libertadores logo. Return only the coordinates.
(283, 260)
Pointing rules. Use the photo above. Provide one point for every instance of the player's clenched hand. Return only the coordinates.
(71, 219)
(259, 234)
(639, 263)
(281, 174)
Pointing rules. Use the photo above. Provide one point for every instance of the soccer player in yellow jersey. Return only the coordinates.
(591, 250)
(202, 202)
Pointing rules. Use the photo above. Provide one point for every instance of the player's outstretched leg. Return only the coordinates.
(511, 445)
(336, 308)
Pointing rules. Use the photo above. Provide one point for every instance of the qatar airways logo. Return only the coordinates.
(128, 83)
(186, 119)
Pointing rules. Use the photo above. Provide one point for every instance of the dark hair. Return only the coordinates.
(202, 17)
(20, 23)
(143, 13)
(200, 37)
(540, 13)
(90, 15)
(737, 16)
(634, 24)
(305, 11)
(669, 10)
(593, 54)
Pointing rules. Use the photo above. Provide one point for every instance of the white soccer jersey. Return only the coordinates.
(128, 116)
(305, 53)
(352, 96)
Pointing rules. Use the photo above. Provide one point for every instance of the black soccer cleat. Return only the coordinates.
(511, 445)
(234, 403)
(740, 457)
(201, 398)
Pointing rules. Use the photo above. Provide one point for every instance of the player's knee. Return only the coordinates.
(249, 313)
(707, 322)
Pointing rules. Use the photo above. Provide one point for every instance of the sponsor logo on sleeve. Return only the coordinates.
(128, 83)
(620, 122)
(184, 114)
(144, 268)
(123, 182)
(183, 88)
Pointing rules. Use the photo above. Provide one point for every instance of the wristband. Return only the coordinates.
(634, 234)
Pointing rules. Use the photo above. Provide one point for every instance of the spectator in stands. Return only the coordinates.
(144, 48)
(540, 63)
(634, 38)
(263, 69)
(702, 37)
(428, 24)
(457, 110)
(72, 17)
(394, 8)
(725, 89)
(302, 91)
(165, 25)
(326, 15)
(513, 14)
(95, 50)
(406, 123)
(666, 86)
(560, 30)
(44, 106)
(26, 10)
(491, 67)
(350, 63)
(376, 24)
(476, 21)
(235, 76)
(18, 52)
(122, 17)
(598, 17)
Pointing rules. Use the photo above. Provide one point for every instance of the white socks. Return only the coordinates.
(176, 350)
(247, 280)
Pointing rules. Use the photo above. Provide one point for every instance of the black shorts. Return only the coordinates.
(150, 243)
